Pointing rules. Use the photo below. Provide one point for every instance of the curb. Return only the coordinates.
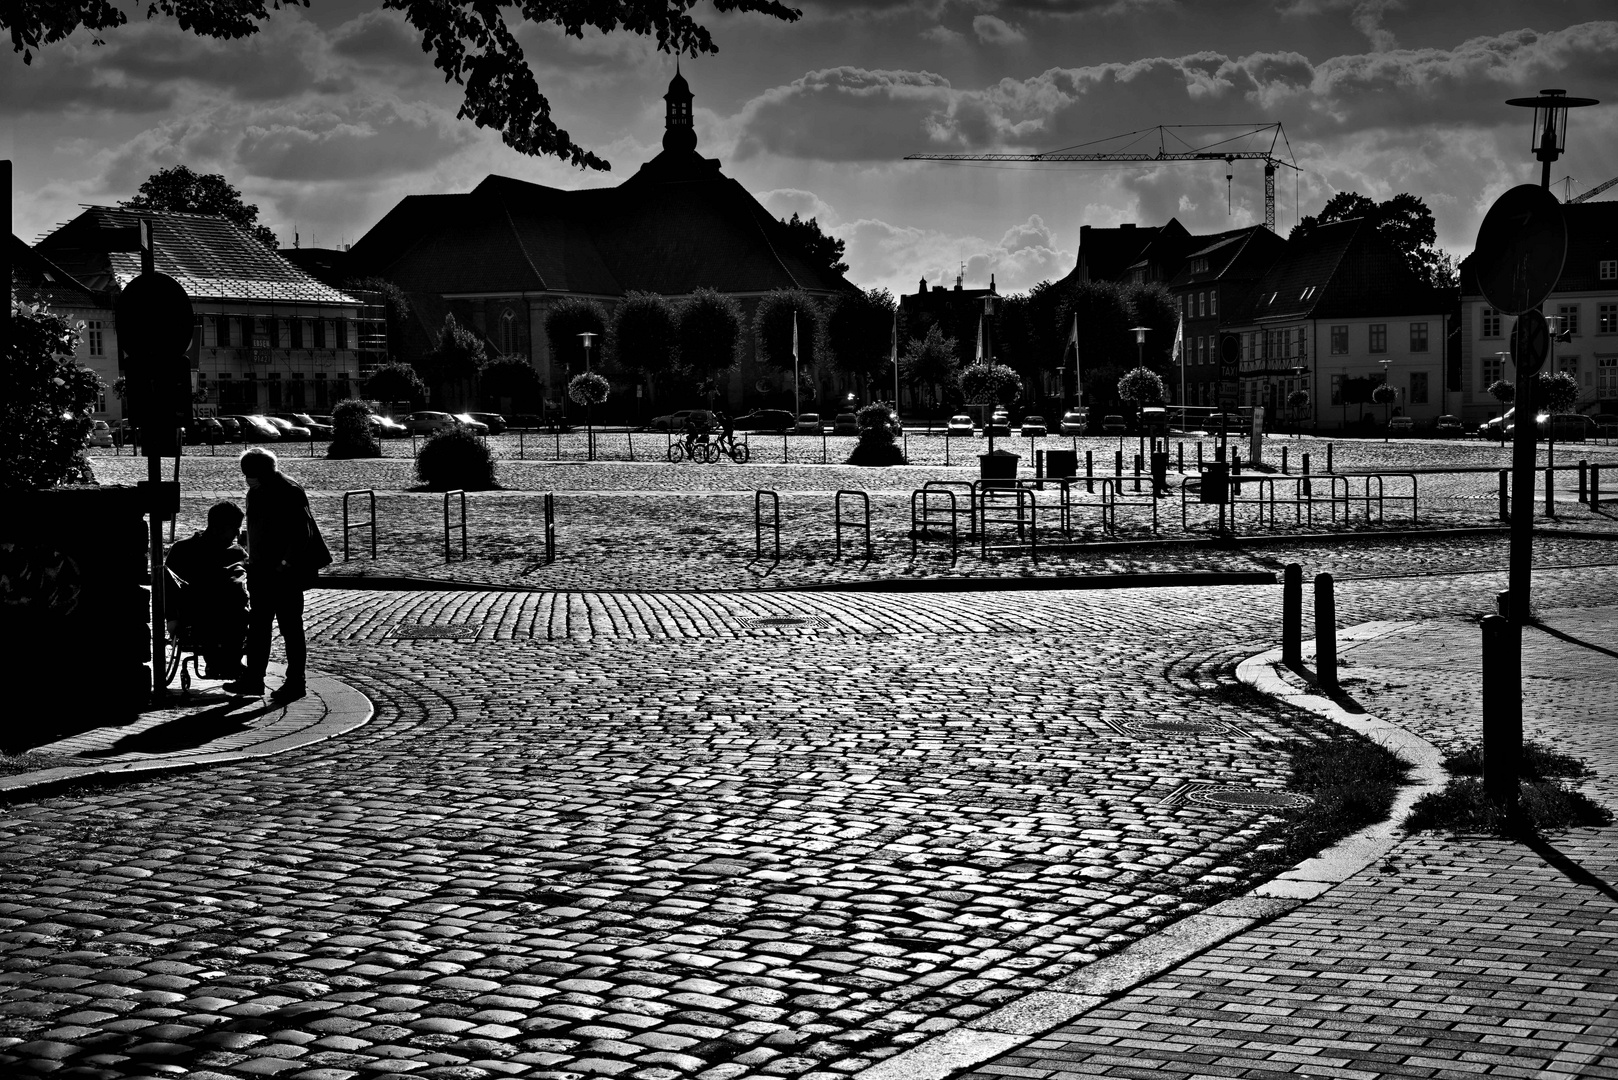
(345, 709)
(1033, 1015)
(1077, 581)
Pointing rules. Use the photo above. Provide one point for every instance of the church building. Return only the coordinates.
(500, 256)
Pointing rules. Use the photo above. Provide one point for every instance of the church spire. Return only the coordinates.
(678, 134)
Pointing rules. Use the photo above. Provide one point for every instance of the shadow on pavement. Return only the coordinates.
(1571, 640)
(230, 716)
(1570, 869)
(1339, 697)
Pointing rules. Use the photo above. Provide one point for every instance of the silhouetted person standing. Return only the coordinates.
(284, 553)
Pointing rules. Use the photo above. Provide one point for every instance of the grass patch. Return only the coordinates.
(28, 761)
(1542, 806)
(1539, 762)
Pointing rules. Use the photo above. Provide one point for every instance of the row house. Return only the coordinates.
(1216, 287)
(266, 336)
(1582, 309)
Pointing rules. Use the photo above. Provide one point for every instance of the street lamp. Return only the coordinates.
(1550, 125)
(587, 337)
(1140, 361)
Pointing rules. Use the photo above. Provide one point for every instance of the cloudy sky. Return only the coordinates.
(332, 113)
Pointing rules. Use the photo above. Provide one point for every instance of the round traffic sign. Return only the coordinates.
(1530, 343)
(153, 316)
(1520, 249)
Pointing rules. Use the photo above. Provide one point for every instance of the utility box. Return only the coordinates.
(1060, 464)
(1215, 486)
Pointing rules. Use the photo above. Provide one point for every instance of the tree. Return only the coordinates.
(472, 44)
(1385, 395)
(772, 328)
(1405, 222)
(990, 384)
(511, 379)
(588, 389)
(47, 402)
(859, 332)
(455, 359)
(396, 382)
(1142, 386)
(710, 338)
(1556, 392)
(643, 335)
(563, 325)
(805, 240)
(1106, 347)
(179, 188)
(930, 361)
(351, 434)
(1503, 392)
(1297, 401)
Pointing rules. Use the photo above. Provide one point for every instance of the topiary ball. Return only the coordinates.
(455, 459)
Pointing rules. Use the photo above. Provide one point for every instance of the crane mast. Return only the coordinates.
(1217, 151)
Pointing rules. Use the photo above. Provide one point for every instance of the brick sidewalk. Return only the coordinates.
(1452, 957)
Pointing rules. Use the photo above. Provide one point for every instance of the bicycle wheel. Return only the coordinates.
(740, 454)
(710, 453)
(676, 452)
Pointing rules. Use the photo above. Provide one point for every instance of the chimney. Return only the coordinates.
(991, 283)
(1127, 225)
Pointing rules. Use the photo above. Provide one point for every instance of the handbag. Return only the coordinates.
(316, 555)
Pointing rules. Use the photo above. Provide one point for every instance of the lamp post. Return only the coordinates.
(587, 337)
(1140, 361)
(1387, 380)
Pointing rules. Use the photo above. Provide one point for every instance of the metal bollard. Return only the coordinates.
(1306, 463)
(1137, 471)
(1180, 447)
(1550, 491)
(1505, 494)
(1292, 614)
(1328, 458)
(1284, 468)
(1595, 486)
(1039, 465)
(1089, 471)
(1117, 463)
(1584, 481)
(1325, 633)
(1199, 455)
(1502, 708)
(1235, 461)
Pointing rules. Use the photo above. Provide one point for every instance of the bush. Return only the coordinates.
(351, 434)
(47, 403)
(455, 459)
(396, 382)
(876, 445)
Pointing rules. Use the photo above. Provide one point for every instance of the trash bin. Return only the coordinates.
(1000, 465)
(1061, 463)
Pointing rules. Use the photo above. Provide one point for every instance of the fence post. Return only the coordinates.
(1584, 481)
(1505, 494)
(1325, 633)
(1595, 486)
(1550, 491)
(1306, 463)
(1502, 708)
(1089, 471)
(1292, 614)
(1328, 458)
(1284, 468)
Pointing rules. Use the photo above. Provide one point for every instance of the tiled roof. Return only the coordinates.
(676, 225)
(36, 275)
(1343, 269)
(208, 255)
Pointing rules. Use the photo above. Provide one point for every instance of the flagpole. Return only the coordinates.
(895, 358)
(797, 380)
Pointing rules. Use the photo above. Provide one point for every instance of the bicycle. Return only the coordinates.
(697, 449)
(737, 452)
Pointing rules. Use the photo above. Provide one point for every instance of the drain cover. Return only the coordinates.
(434, 630)
(1177, 727)
(1249, 799)
(767, 621)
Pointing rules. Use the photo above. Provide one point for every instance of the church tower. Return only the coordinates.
(678, 134)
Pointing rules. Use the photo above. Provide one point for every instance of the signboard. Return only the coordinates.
(1255, 450)
(1230, 371)
(1530, 342)
(1520, 249)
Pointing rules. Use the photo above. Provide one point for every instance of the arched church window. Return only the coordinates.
(508, 332)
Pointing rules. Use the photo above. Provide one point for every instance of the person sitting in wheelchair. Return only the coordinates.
(207, 593)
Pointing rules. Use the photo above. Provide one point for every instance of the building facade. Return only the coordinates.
(36, 278)
(266, 335)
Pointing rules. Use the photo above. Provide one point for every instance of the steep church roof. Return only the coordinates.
(676, 225)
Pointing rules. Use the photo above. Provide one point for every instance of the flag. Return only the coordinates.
(794, 338)
(893, 356)
(1073, 343)
(980, 339)
(1179, 343)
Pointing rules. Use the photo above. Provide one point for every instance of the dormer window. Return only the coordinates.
(1609, 270)
(1199, 266)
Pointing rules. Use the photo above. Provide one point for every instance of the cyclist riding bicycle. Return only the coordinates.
(727, 433)
(696, 430)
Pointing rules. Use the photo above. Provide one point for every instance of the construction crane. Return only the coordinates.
(1220, 150)
(1597, 190)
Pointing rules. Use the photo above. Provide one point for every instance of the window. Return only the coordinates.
(1607, 319)
(1493, 371)
(1339, 341)
(1609, 270)
(340, 340)
(1418, 337)
(1213, 303)
(1199, 266)
(1418, 388)
(1568, 364)
(1491, 322)
(320, 333)
(508, 332)
(210, 330)
(295, 334)
(92, 336)
(1607, 377)
(1202, 304)
(1379, 337)
(1567, 319)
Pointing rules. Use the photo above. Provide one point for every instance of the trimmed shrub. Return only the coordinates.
(455, 459)
(876, 445)
(351, 434)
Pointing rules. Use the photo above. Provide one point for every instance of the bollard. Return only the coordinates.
(1306, 463)
(1235, 461)
(1505, 494)
(1595, 486)
(1180, 446)
(1502, 603)
(1117, 463)
(1284, 460)
(1328, 458)
(1325, 633)
(1550, 492)
(1199, 455)
(1137, 472)
(1502, 708)
(1089, 471)
(1039, 466)
(1292, 614)
(1584, 481)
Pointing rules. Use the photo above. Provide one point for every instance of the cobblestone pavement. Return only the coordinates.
(602, 835)
(1457, 956)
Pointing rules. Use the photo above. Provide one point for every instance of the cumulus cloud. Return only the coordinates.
(784, 202)
(363, 139)
(993, 30)
(896, 256)
(943, 35)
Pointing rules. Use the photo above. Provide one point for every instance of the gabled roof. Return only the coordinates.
(1343, 269)
(676, 225)
(36, 275)
(208, 255)
(1238, 255)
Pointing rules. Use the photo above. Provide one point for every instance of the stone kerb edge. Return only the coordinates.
(1069, 998)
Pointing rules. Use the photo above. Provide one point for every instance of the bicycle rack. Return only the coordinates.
(1111, 488)
(971, 507)
(838, 518)
(919, 522)
(447, 494)
(758, 523)
(987, 497)
(371, 524)
(550, 527)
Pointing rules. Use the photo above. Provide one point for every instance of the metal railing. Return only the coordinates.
(447, 553)
(992, 508)
(921, 517)
(758, 522)
(349, 527)
(865, 501)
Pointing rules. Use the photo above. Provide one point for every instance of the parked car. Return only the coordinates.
(1031, 427)
(256, 428)
(1073, 422)
(674, 421)
(776, 420)
(1448, 426)
(427, 422)
(846, 424)
(1567, 427)
(809, 424)
(1401, 425)
(317, 430)
(999, 424)
(961, 424)
(204, 431)
(492, 420)
(386, 427)
(100, 433)
(1113, 424)
(476, 427)
(1606, 425)
(232, 428)
(290, 432)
